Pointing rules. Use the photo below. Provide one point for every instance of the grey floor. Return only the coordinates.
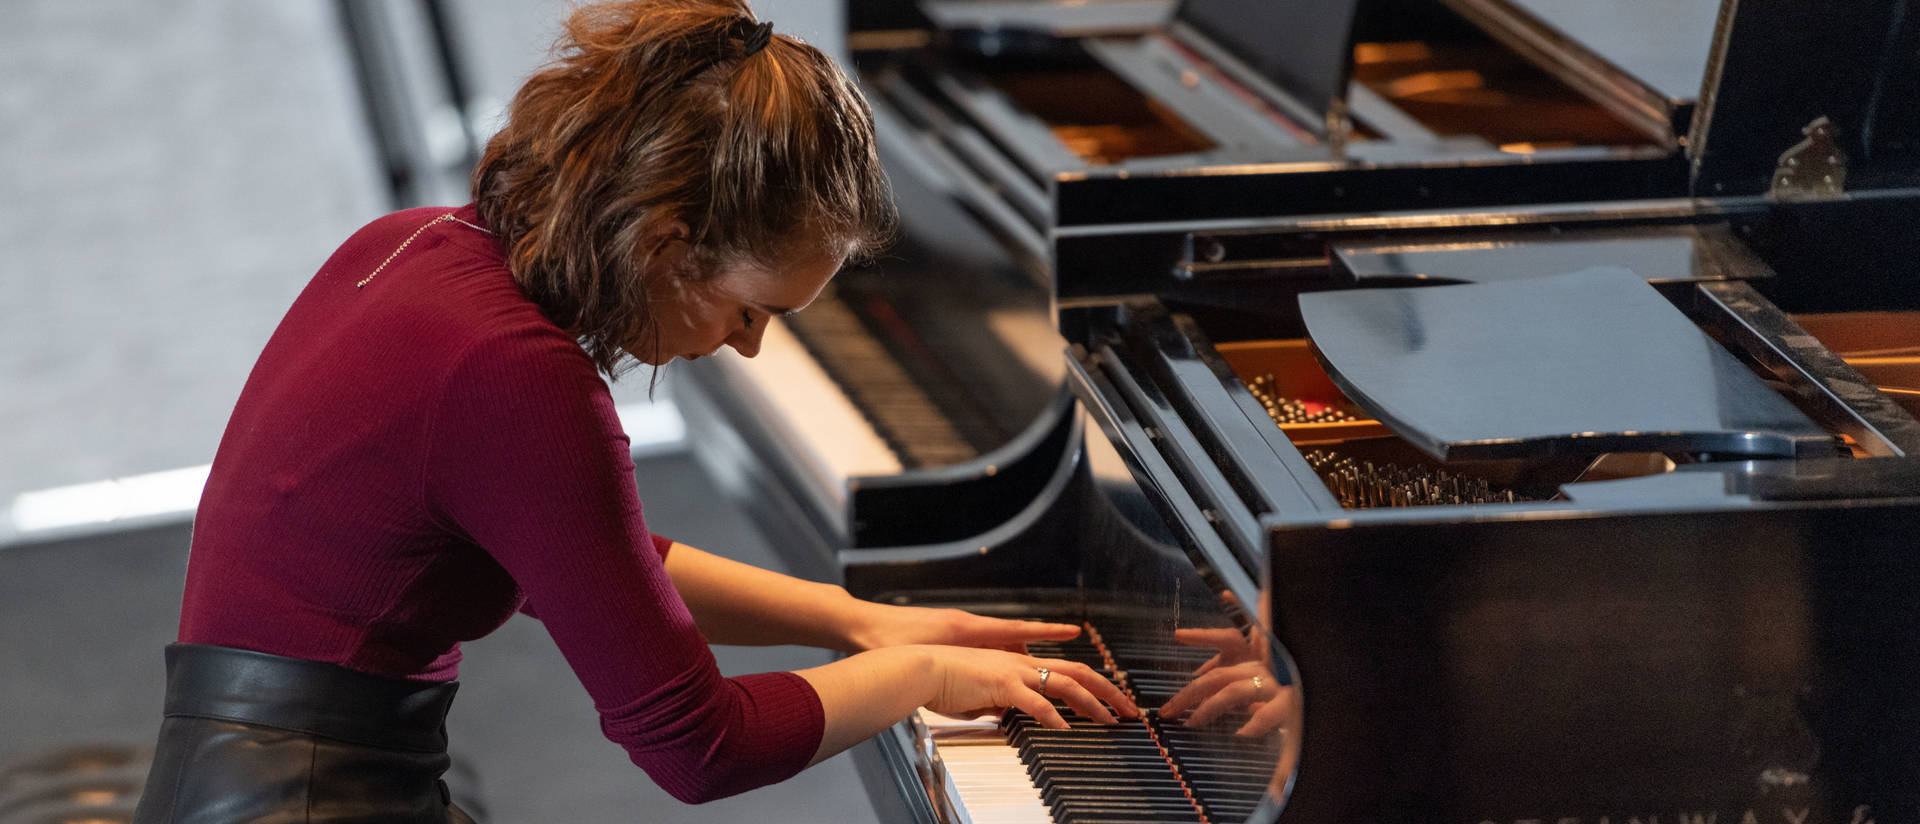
(170, 176)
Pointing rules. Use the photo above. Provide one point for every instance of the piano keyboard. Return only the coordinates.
(827, 433)
(1011, 770)
(900, 410)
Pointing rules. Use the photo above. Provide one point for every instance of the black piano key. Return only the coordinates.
(1237, 774)
(1083, 742)
(1057, 791)
(1087, 736)
(1031, 754)
(1089, 802)
(1143, 766)
(1081, 729)
(1224, 764)
(1108, 749)
(1224, 792)
(1078, 726)
(1166, 814)
(1097, 769)
(1201, 754)
(1129, 816)
(1126, 821)
(1217, 742)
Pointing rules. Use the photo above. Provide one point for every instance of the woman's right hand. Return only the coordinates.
(972, 680)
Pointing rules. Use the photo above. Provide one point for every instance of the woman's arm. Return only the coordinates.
(735, 603)
(861, 695)
(864, 694)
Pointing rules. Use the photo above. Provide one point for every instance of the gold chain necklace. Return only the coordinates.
(403, 247)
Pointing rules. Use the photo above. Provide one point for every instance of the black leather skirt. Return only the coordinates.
(251, 737)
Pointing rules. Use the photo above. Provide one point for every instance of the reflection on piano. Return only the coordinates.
(1009, 769)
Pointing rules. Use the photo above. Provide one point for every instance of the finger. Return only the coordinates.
(1269, 715)
(1036, 705)
(1201, 688)
(1216, 637)
(1006, 631)
(1077, 698)
(1211, 663)
(1083, 689)
(1094, 683)
(1235, 696)
(1187, 698)
(1238, 693)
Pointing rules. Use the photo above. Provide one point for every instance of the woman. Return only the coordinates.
(424, 447)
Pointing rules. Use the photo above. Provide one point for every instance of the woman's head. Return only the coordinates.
(661, 166)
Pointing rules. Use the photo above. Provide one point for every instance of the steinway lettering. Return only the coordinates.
(1862, 814)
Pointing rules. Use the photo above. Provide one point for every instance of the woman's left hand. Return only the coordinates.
(883, 625)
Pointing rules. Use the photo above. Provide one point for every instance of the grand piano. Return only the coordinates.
(1439, 495)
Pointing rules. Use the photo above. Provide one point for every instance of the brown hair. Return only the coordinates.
(654, 111)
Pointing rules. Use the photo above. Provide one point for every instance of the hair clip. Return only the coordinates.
(757, 39)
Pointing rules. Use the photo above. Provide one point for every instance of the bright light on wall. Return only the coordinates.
(135, 496)
(654, 428)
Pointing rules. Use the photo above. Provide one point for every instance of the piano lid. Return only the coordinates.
(1742, 483)
(1581, 363)
(1305, 49)
(1061, 18)
(1662, 43)
(1658, 254)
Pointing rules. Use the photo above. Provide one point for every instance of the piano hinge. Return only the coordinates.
(1813, 169)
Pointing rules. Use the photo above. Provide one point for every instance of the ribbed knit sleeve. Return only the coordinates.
(527, 459)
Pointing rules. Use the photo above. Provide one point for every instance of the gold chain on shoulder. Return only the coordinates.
(403, 247)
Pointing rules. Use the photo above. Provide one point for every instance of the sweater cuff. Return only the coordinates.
(661, 544)
(793, 721)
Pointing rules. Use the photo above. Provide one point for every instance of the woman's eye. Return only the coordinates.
(746, 316)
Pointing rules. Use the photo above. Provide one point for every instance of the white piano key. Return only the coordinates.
(982, 774)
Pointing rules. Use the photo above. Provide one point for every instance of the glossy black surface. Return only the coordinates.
(1701, 666)
(1100, 551)
(1307, 182)
(1670, 57)
(1745, 483)
(1582, 363)
(1656, 255)
(1782, 64)
(1309, 55)
(1820, 378)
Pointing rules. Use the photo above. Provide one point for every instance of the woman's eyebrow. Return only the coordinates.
(774, 310)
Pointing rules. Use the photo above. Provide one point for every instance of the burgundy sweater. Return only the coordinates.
(413, 461)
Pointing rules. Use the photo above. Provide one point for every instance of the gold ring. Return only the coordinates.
(1256, 686)
(1044, 675)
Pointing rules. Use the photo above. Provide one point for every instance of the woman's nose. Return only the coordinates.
(747, 341)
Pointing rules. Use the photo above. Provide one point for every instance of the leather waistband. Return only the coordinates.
(307, 696)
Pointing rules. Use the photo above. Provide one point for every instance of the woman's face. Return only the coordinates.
(732, 307)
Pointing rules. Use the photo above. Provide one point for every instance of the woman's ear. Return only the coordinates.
(667, 249)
